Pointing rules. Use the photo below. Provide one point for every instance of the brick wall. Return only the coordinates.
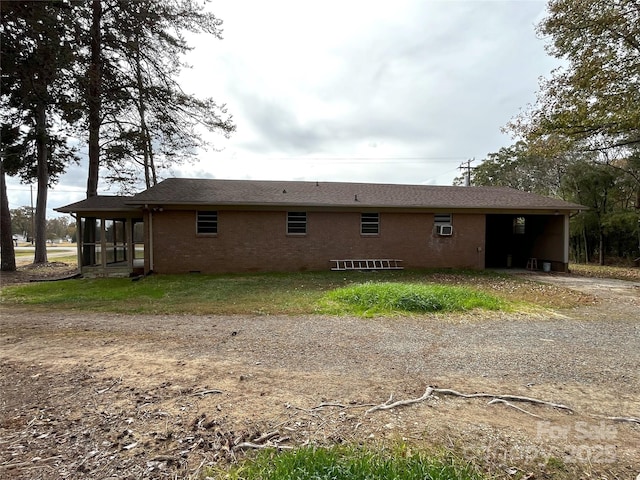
(257, 241)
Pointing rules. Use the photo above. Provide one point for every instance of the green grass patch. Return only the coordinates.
(71, 260)
(349, 463)
(381, 298)
(290, 293)
(113, 294)
(170, 294)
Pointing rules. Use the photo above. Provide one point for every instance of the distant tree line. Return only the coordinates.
(580, 141)
(57, 227)
(99, 75)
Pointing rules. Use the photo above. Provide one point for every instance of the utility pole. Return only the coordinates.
(468, 168)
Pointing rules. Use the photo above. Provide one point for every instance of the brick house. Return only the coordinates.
(215, 226)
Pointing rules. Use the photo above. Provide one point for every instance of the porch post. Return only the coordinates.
(79, 237)
(565, 255)
(130, 246)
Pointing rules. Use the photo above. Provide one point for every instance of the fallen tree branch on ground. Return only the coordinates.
(205, 392)
(388, 405)
(264, 441)
(514, 398)
(341, 405)
(619, 419)
(509, 404)
(496, 398)
(249, 445)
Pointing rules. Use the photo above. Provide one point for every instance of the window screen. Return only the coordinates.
(442, 219)
(370, 223)
(207, 222)
(297, 223)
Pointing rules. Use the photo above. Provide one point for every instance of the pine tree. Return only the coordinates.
(143, 118)
(37, 58)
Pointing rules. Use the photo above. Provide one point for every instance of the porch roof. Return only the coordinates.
(100, 203)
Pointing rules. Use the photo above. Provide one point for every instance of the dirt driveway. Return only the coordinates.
(114, 396)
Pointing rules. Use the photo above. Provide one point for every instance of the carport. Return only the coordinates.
(512, 239)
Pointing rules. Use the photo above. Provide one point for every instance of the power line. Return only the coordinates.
(26, 189)
(359, 158)
(468, 168)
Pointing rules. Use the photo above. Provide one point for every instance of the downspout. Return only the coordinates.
(150, 241)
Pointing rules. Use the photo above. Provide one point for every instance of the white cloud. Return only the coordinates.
(361, 91)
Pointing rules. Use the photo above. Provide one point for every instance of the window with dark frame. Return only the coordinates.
(442, 219)
(519, 224)
(296, 223)
(442, 223)
(207, 223)
(370, 223)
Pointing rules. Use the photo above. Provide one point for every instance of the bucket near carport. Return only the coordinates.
(546, 267)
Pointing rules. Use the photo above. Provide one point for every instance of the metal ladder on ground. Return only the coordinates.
(367, 264)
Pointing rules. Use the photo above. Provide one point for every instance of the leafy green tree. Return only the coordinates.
(620, 227)
(36, 58)
(59, 227)
(591, 185)
(595, 96)
(523, 168)
(22, 221)
(606, 185)
(589, 109)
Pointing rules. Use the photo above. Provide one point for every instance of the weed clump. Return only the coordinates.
(388, 297)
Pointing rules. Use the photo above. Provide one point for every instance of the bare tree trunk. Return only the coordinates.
(586, 245)
(8, 261)
(94, 99)
(601, 248)
(600, 227)
(94, 104)
(638, 210)
(143, 122)
(147, 148)
(43, 185)
(152, 164)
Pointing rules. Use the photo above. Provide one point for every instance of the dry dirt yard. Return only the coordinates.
(115, 396)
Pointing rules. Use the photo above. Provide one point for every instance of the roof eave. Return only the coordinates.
(359, 204)
(88, 210)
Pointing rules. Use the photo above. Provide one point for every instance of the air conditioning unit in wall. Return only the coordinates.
(444, 230)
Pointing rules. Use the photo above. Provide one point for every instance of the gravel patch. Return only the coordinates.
(108, 395)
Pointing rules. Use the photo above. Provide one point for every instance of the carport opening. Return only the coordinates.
(511, 240)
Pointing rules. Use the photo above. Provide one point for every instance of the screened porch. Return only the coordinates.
(110, 246)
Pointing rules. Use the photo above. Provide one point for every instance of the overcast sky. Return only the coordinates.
(363, 91)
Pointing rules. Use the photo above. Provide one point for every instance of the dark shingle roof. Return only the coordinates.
(100, 203)
(195, 192)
